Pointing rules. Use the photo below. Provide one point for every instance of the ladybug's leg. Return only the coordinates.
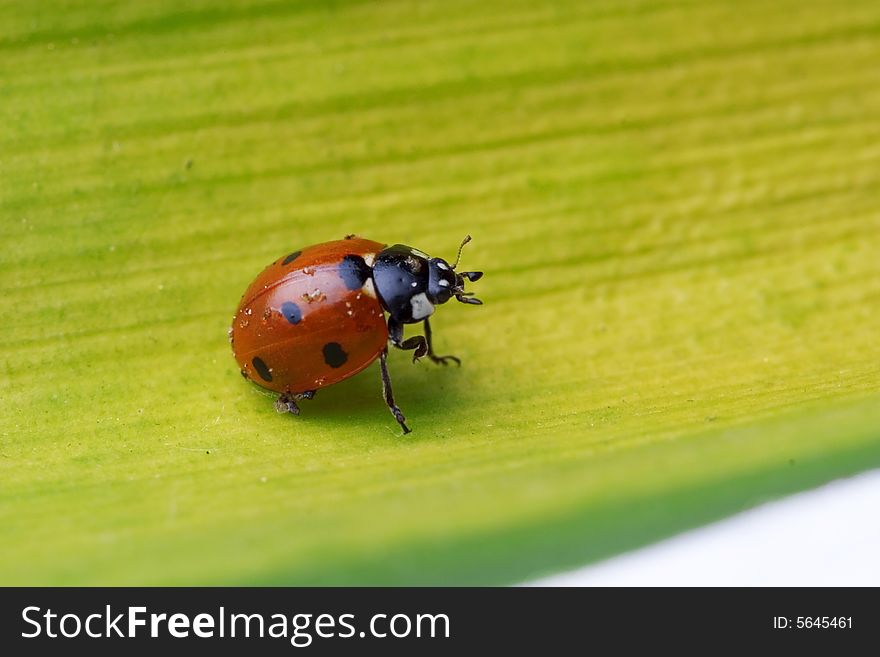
(420, 343)
(286, 402)
(442, 360)
(417, 342)
(386, 391)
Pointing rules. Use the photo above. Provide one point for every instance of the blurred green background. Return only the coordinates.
(676, 205)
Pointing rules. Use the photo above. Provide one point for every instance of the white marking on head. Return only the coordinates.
(443, 282)
(414, 284)
(369, 258)
(421, 307)
(442, 265)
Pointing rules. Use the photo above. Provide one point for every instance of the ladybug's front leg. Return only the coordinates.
(421, 343)
(434, 357)
(417, 342)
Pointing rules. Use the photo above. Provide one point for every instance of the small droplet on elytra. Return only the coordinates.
(313, 296)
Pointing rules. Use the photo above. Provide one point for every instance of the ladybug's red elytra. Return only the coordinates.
(317, 315)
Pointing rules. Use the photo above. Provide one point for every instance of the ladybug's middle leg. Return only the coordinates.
(286, 402)
(388, 394)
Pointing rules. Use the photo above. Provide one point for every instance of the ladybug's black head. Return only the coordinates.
(410, 283)
(444, 283)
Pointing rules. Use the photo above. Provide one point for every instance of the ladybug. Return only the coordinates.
(318, 315)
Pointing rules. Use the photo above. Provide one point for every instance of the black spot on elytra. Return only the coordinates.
(293, 256)
(291, 312)
(333, 354)
(262, 369)
(354, 272)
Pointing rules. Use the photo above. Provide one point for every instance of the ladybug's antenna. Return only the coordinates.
(458, 290)
(467, 238)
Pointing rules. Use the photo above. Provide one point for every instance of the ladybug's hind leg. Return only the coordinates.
(286, 402)
(386, 392)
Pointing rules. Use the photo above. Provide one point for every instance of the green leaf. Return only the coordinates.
(676, 206)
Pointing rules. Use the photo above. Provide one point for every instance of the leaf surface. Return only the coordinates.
(676, 206)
